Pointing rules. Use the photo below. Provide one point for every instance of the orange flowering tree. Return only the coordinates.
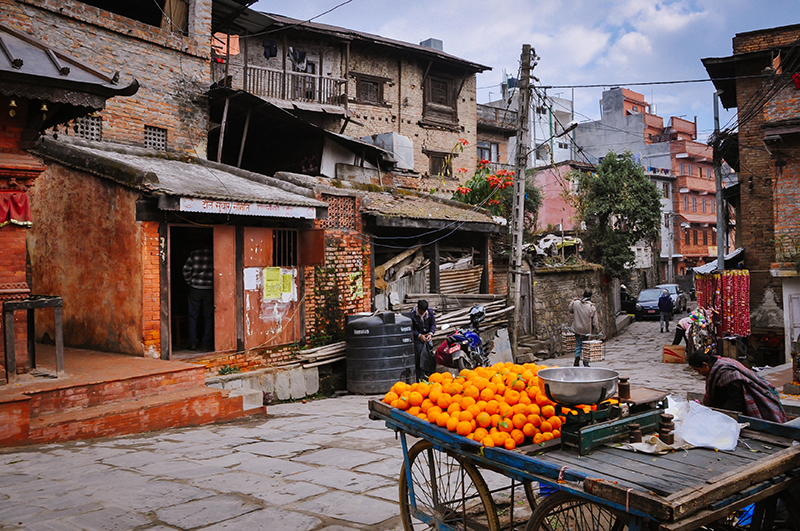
(494, 191)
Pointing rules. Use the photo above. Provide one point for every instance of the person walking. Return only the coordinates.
(665, 306)
(198, 272)
(423, 326)
(584, 323)
(732, 386)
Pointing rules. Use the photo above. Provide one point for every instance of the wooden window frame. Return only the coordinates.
(380, 83)
(447, 163)
(438, 113)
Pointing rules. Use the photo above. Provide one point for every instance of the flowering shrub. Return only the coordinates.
(494, 191)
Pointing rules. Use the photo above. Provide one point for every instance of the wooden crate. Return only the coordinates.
(567, 341)
(592, 350)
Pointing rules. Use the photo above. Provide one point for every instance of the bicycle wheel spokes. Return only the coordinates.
(562, 512)
(449, 494)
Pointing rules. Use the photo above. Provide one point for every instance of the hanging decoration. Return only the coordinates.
(728, 295)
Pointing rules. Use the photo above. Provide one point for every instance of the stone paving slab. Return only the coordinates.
(319, 466)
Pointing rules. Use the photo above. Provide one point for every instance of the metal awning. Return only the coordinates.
(731, 259)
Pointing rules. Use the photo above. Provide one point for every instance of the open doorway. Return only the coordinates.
(183, 241)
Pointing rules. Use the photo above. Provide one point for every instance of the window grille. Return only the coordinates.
(341, 212)
(89, 127)
(284, 248)
(155, 137)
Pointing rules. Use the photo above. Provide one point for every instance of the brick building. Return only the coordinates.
(415, 100)
(761, 81)
(128, 191)
(40, 87)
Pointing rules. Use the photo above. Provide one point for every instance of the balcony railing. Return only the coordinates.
(497, 117)
(282, 84)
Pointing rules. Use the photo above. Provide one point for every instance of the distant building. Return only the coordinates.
(681, 167)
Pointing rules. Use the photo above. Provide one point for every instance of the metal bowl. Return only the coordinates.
(578, 385)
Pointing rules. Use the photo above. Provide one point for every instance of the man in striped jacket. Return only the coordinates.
(198, 271)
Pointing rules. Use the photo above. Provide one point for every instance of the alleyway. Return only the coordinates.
(323, 465)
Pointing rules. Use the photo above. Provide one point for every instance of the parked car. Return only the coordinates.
(628, 302)
(677, 295)
(647, 304)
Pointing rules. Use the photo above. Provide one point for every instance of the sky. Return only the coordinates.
(579, 42)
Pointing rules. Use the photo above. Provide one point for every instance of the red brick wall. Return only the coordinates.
(87, 247)
(12, 277)
(769, 194)
(151, 288)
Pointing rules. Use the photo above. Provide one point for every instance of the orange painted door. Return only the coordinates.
(224, 288)
(271, 294)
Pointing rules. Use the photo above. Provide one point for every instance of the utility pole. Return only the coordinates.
(518, 212)
(718, 177)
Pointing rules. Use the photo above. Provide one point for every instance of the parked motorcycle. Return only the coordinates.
(464, 349)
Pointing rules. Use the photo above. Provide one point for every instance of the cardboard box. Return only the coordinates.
(674, 354)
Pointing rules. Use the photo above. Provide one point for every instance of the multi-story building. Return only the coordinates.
(549, 117)
(760, 79)
(679, 165)
(416, 100)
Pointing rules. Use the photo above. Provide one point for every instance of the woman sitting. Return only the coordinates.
(732, 386)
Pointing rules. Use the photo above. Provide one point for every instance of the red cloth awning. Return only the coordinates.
(15, 208)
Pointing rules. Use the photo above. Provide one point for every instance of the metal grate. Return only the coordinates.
(89, 127)
(155, 137)
(284, 248)
(341, 212)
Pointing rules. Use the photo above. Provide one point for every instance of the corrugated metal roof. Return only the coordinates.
(159, 172)
(710, 267)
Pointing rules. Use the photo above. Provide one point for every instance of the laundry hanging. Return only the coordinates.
(298, 59)
(270, 49)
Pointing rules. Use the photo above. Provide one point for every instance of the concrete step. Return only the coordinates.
(116, 390)
(178, 408)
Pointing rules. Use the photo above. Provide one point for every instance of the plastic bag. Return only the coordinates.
(706, 428)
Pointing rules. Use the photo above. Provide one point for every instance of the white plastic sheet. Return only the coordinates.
(703, 427)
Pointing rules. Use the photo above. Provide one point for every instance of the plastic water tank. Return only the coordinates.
(380, 352)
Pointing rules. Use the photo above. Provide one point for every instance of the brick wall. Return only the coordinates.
(172, 81)
(12, 278)
(345, 279)
(404, 110)
(768, 193)
(151, 288)
(86, 246)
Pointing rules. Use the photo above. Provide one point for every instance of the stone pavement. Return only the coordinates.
(322, 465)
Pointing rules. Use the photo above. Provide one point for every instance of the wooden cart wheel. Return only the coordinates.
(449, 493)
(532, 493)
(565, 512)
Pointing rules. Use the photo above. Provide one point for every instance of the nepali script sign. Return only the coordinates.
(208, 206)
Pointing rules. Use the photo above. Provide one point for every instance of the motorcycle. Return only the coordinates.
(464, 349)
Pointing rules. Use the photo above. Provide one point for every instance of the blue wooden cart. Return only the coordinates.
(442, 487)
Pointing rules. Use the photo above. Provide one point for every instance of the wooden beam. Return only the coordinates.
(244, 138)
(434, 276)
(222, 129)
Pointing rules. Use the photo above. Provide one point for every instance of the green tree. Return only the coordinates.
(620, 206)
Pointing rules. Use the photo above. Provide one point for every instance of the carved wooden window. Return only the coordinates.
(155, 137)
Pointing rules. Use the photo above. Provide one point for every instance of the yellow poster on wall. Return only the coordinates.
(272, 283)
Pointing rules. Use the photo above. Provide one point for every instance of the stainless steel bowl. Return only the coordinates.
(578, 385)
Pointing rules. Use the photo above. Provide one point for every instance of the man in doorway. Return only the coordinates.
(423, 326)
(584, 323)
(198, 271)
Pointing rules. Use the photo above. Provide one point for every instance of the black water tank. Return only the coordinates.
(380, 352)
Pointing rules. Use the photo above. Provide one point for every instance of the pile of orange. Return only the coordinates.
(501, 405)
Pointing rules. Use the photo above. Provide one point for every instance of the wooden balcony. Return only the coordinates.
(287, 85)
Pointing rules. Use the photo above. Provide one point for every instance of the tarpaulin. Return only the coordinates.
(14, 208)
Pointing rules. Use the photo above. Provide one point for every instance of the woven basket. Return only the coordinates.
(592, 350)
